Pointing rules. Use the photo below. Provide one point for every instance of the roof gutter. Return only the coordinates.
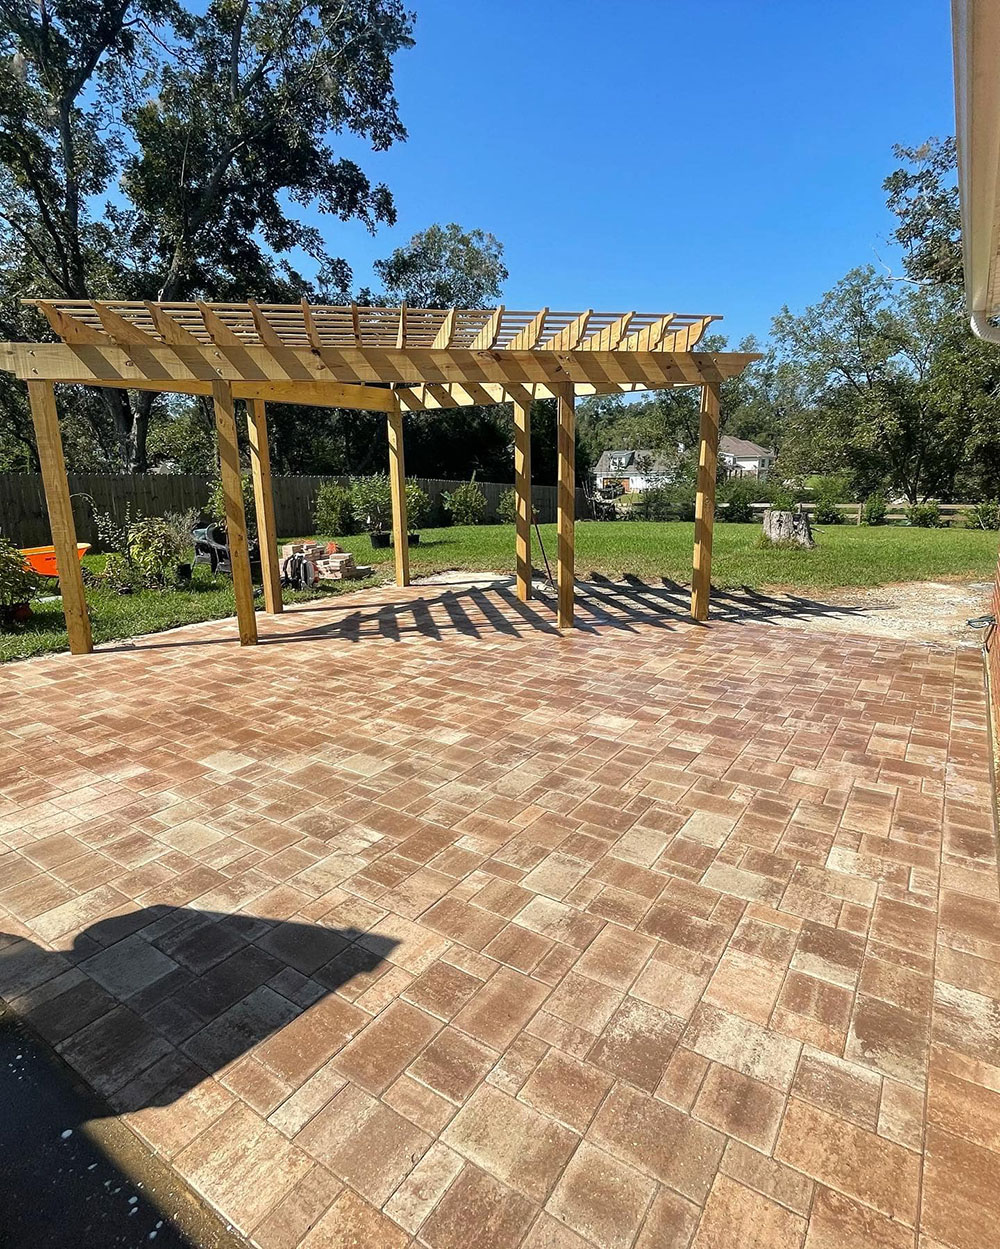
(982, 329)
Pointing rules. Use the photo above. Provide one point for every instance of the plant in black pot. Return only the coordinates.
(418, 511)
(371, 498)
(18, 585)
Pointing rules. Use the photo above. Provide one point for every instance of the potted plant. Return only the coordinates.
(418, 510)
(18, 584)
(371, 498)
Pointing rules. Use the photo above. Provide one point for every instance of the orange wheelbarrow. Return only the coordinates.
(43, 558)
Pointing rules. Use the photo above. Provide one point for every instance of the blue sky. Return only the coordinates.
(664, 155)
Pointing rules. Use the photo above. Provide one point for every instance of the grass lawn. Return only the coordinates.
(845, 556)
(114, 616)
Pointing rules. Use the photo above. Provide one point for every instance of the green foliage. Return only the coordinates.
(924, 515)
(216, 506)
(168, 152)
(826, 511)
(371, 499)
(333, 514)
(672, 501)
(154, 549)
(783, 499)
(18, 583)
(507, 508)
(923, 195)
(180, 525)
(984, 515)
(120, 574)
(466, 504)
(875, 509)
(418, 506)
(445, 267)
(738, 493)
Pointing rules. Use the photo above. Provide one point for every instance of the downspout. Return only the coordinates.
(982, 328)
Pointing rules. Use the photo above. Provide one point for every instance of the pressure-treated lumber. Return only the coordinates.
(60, 507)
(263, 494)
(704, 507)
(397, 485)
(566, 505)
(236, 521)
(522, 499)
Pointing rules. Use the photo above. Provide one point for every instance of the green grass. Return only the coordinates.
(115, 616)
(845, 556)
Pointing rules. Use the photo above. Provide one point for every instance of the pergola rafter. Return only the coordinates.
(390, 360)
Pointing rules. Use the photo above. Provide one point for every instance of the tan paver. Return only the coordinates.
(420, 925)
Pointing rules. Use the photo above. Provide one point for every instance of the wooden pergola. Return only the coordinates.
(391, 360)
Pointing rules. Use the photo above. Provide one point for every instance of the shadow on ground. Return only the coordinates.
(489, 607)
(143, 1008)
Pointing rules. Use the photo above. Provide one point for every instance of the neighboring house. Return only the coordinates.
(633, 471)
(742, 458)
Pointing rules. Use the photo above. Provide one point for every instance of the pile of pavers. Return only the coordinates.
(329, 562)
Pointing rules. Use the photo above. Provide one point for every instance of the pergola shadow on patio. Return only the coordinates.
(391, 360)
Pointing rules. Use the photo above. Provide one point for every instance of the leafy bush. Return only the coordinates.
(507, 508)
(418, 506)
(783, 500)
(154, 549)
(832, 486)
(334, 511)
(371, 499)
(120, 574)
(217, 504)
(180, 525)
(738, 493)
(18, 583)
(875, 509)
(984, 515)
(466, 503)
(924, 515)
(826, 511)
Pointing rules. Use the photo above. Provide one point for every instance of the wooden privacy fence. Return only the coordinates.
(24, 520)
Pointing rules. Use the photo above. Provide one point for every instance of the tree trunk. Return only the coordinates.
(788, 527)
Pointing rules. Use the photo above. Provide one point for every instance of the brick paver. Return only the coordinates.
(421, 925)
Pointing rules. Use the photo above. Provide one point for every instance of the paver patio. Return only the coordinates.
(419, 924)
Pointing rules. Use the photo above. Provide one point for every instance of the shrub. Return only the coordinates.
(120, 574)
(875, 509)
(924, 515)
(371, 499)
(153, 550)
(783, 500)
(418, 506)
(333, 513)
(181, 524)
(826, 511)
(18, 583)
(507, 508)
(984, 515)
(832, 486)
(217, 504)
(466, 504)
(739, 493)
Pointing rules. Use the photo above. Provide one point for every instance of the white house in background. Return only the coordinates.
(633, 471)
(742, 458)
(636, 471)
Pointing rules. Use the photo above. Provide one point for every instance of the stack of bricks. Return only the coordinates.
(329, 564)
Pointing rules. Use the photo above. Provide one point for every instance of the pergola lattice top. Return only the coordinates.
(312, 325)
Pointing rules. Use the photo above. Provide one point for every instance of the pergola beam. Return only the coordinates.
(263, 496)
(92, 363)
(704, 508)
(565, 507)
(522, 494)
(397, 486)
(236, 521)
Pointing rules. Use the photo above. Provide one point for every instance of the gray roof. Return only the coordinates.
(742, 447)
(633, 463)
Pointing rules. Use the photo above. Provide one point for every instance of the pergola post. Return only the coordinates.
(566, 502)
(263, 493)
(704, 507)
(42, 398)
(397, 485)
(236, 521)
(522, 499)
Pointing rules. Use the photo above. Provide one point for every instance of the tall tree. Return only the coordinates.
(923, 196)
(445, 267)
(211, 128)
